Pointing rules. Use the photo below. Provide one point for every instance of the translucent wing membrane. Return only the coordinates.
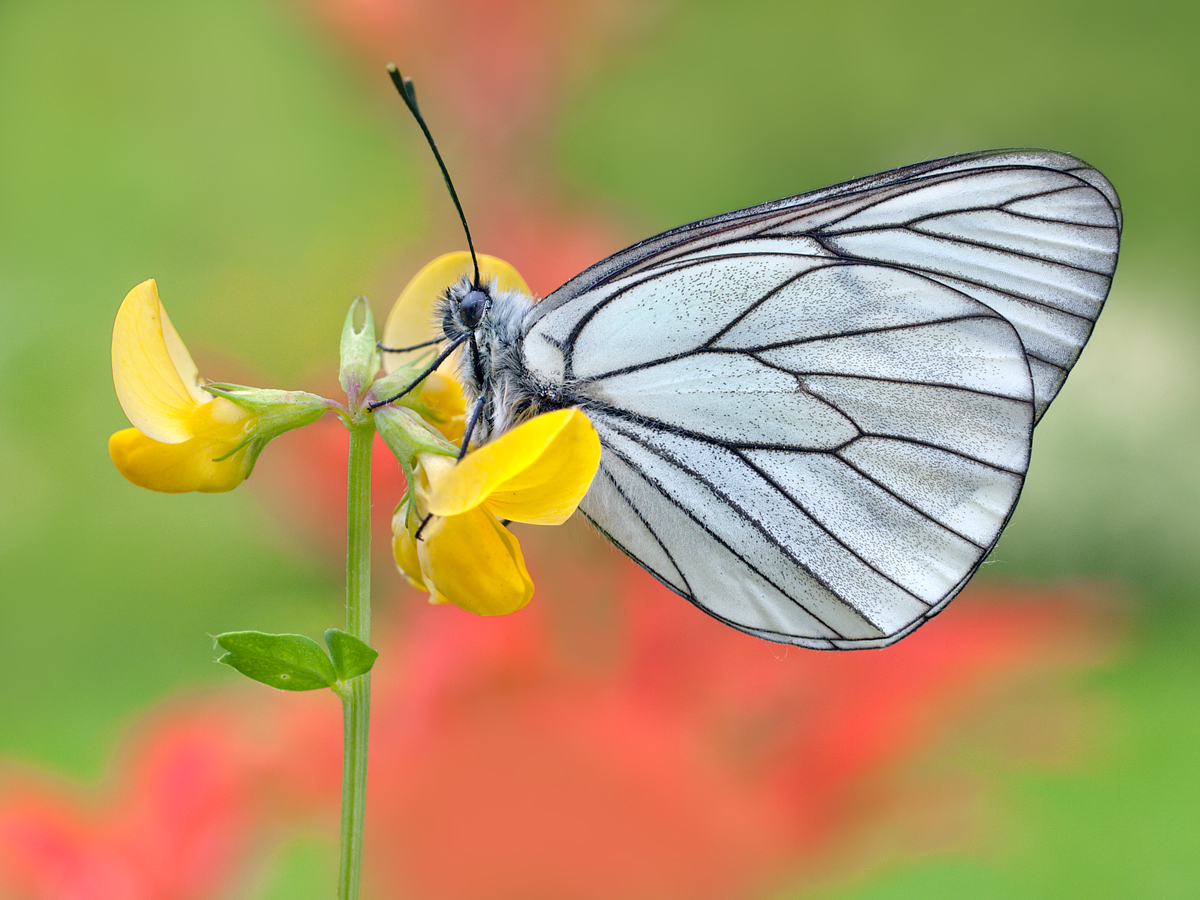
(816, 413)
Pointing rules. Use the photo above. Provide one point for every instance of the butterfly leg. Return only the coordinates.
(429, 343)
(471, 423)
(416, 381)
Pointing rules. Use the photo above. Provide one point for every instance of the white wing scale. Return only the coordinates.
(816, 413)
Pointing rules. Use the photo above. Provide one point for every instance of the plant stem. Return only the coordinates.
(356, 701)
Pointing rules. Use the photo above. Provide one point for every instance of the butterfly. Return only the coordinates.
(816, 414)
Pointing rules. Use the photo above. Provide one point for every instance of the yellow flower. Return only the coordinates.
(183, 438)
(537, 473)
(471, 560)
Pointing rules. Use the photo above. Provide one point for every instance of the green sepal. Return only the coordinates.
(360, 359)
(276, 411)
(407, 436)
(290, 662)
(351, 657)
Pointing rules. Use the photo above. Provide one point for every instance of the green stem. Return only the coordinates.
(356, 701)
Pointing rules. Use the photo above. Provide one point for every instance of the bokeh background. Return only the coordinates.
(1038, 740)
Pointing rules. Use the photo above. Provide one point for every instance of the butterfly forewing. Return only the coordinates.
(816, 414)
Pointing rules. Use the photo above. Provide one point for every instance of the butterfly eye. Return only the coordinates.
(471, 308)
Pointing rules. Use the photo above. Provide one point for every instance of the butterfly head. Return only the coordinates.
(465, 307)
(472, 307)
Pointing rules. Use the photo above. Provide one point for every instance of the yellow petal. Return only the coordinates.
(474, 562)
(536, 473)
(445, 406)
(411, 320)
(404, 548)
(156, 380)
(190, 465)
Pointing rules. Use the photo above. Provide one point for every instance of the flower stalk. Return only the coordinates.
(356, 697)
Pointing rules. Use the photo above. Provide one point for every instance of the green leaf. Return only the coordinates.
(290, 662)
(351, 657)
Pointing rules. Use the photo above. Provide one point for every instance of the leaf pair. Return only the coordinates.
(293, 662)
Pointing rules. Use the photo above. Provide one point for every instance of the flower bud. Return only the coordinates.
(359, 354)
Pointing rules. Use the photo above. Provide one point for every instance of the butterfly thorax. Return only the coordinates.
(490, 364)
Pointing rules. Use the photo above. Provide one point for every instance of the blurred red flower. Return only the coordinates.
(698, 763)
(173, 826)
(498, 63)
(577, 749)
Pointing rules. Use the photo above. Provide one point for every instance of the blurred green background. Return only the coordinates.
(255, 162)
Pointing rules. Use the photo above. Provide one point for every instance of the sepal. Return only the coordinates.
(407, 436)
(360, 359)
(277, 411)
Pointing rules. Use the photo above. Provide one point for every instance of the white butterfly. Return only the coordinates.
(816, 413)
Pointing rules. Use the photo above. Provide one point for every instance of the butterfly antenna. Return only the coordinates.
(409, 93)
